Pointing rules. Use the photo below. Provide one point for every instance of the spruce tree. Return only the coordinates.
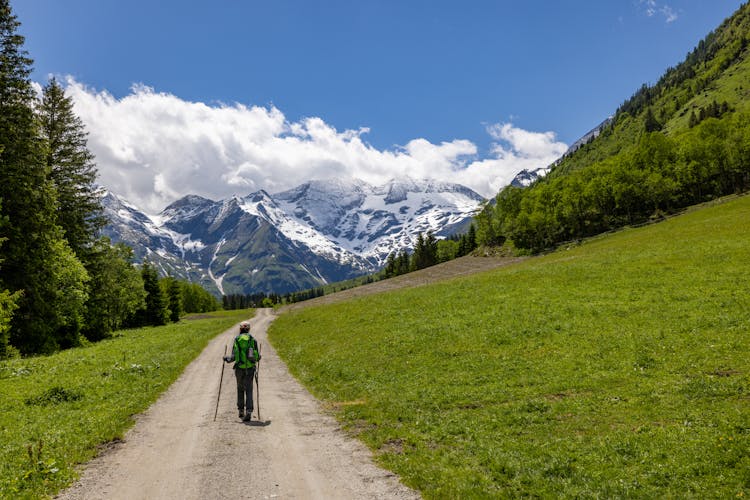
(650, 123)
(156, 307)
(390, 265)
(34, 245)
(417, 255)
(174, 295)
(8, 304)
(402, 263)
(471, 238)
(72, 169)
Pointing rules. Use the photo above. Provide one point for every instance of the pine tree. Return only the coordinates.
(402, 263)
(8, 304)
(471, 239)
(417, 257)
(174, 295)
(34, 248)
(72, 169)
(650, 122)
(390, 265)
(156, 308)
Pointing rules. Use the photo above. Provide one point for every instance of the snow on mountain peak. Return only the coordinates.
(320, 230)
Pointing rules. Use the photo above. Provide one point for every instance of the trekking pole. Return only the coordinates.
(220, 381)
(257, 389)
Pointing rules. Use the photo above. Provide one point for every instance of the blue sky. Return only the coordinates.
(421, 86)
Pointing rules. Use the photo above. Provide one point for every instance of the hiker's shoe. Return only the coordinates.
(242, 413)
(247, 416)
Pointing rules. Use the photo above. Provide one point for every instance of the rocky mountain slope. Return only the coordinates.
(318, 232)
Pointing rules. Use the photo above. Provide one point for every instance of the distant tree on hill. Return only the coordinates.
(171, 290)
(402, 262)
(650, 123)
(425, 252)
(390, 265)
(154, 312)
(447, 249)
(195, 299)
(468, 242)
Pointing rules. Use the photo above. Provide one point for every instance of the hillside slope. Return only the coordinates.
(682, 141)
(617, 368)
(715, 71)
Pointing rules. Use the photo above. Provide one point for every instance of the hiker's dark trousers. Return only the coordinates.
(244, 388)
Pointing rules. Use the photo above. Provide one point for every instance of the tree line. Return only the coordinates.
(428, 251)
(658, 175)
(60, 281)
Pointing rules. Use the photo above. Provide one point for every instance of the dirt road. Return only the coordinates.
(295, 450)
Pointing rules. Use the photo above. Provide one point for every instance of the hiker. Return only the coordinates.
(245, 355)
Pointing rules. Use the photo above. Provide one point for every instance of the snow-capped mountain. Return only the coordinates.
(525, 177)
(318, 232)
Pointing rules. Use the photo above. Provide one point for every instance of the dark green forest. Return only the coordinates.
(682, 141)
(61, 283)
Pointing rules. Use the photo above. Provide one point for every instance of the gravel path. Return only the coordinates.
(177, 451)
(296, 450)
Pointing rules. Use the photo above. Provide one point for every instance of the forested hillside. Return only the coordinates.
(60, 282)
(679, 142)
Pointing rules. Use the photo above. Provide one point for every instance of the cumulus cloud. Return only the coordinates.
(153, 148)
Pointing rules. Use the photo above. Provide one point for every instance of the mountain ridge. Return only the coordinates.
(315, 233)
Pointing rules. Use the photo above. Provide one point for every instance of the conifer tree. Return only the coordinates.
(402, 263)
(71, 167)
(471, 238)
(34, 248)
(390, 265)
(174, 296)
(417, 257)
(8, 304)
(156, 307)
(650, 122)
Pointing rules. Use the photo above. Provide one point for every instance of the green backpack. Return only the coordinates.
(244, 351)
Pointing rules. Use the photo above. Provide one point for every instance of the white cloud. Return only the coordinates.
(153, 148)
(669, 13)
(652, 7)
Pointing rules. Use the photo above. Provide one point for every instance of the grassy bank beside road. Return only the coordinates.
(56, 410)
(618, 368)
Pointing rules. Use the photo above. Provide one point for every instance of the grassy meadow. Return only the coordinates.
(616, 368)
(56, 410)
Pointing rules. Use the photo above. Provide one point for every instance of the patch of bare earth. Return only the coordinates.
(463, 266)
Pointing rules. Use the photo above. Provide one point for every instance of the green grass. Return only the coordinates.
(617, 368)
(56, 410)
